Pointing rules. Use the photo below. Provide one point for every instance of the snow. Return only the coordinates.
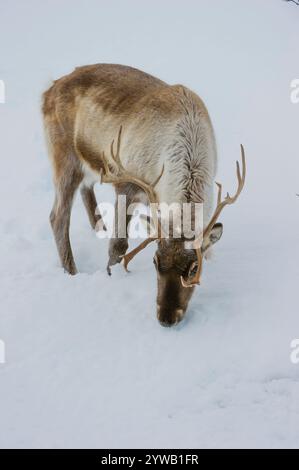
(86, 362)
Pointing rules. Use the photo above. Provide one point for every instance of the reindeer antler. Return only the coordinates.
(228, 199)
(120, 175)
(220, 206)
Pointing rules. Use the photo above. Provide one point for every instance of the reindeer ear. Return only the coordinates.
(216, 233)
(214, 236)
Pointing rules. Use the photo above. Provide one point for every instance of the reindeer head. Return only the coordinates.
(178, 268)
(176, 265)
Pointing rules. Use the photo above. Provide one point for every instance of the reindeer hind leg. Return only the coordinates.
(66, 185)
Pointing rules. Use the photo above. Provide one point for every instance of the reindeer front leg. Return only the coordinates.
(125, 194)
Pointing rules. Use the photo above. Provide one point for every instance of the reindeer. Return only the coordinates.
(165, 152)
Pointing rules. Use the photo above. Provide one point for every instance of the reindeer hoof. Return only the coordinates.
(108, 269)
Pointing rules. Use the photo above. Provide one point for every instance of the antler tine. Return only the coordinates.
(129, 256)
(219, 193)
(243, 164)
(238, 172)
(241, 178)
(106, 167)
(159, 177)
(118, 142)
(112, 150)
(116, 157)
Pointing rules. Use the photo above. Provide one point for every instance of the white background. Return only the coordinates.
(87, 363)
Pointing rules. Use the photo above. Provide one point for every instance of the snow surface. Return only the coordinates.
(87, 363)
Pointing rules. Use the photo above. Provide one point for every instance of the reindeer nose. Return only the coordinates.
(168, 317)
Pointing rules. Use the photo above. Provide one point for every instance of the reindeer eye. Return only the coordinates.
(193, 269)
(155, 261)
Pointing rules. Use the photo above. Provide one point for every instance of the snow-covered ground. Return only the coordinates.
(87, 363)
